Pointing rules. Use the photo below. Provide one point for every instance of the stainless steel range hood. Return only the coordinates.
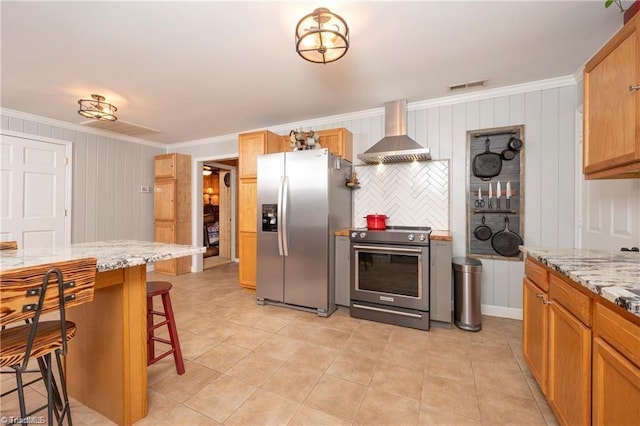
(396, 146)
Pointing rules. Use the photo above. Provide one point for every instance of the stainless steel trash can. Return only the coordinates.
(466, 293)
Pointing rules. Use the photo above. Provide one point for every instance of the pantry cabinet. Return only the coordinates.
(172, 207)
(583, 350)
(250, 146)
(611, 147)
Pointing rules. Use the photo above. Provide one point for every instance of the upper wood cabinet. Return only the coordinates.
(612, 107)
(165, 166)
(338, 141)
(250, 145)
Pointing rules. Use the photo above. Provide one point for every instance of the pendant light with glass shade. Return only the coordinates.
(322, 36)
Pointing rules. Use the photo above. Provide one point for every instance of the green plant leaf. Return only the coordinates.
(608, 3)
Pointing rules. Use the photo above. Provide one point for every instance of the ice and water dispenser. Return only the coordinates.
(269, 218)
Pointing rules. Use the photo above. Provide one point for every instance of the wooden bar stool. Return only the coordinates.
(26, 294)
(161, 288)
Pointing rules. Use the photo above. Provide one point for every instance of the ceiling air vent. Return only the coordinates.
(119, 126)
(469, 85)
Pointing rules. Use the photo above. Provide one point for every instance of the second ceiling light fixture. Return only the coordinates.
(322, 36)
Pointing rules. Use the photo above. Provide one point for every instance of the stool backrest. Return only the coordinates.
(21, 289)
(8, 245)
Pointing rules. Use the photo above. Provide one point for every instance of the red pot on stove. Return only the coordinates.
(376, 222)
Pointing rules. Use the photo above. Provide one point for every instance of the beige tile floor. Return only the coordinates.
(249, 365)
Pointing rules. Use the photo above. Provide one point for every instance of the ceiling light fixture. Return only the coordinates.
(207, 170)
(97, 108)
(322, 36)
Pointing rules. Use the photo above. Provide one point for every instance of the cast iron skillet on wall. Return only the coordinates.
(487, 164)
(506, 242)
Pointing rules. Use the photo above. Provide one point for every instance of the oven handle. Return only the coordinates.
(387, 311)
(407, 250)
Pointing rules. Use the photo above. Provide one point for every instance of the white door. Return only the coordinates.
(33, 180)
(610, 214)
(609, 217)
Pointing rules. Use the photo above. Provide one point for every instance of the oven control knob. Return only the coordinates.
(411, 237)
(363, 234)
(422, 237)
(354, 234)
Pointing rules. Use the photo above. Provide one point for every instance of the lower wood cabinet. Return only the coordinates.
(535, 339)
(569, 387)
(248, 242)
(583, 350)
(616, 387)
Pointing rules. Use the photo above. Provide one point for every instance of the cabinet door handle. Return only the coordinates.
(546, 302)
(633, 88)
(539, 295)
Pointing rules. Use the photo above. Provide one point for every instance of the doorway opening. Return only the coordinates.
(215, 223)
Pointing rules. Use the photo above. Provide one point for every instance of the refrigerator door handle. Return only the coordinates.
(279, 215)
(285, 206)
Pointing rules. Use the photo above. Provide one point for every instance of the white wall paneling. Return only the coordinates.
(107, 174)
(547, 111)
(545, 108)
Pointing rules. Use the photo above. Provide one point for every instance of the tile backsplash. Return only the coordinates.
(410, 194)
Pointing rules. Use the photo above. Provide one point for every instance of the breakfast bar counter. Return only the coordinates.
(107, 359)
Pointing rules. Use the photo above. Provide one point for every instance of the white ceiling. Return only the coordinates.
(193, 70)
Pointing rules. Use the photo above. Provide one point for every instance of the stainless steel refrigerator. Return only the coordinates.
(302, 200)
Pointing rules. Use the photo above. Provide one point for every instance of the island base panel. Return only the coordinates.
(107, 359)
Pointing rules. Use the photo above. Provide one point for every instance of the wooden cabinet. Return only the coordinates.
(343, 271)
(172, 207)
(583, 350)
(612, 107)
(616, 368)
(250, 145)
(440, 276)
(339, 141)
(569, 386)
(535, 339)
(247, 252)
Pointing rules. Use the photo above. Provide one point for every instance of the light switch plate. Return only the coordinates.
(144, 188)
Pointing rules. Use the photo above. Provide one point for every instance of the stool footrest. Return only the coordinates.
(161, 288)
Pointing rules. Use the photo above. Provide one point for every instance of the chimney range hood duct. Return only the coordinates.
(396, 146)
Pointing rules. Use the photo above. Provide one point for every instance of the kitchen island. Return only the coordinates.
(581, 332)
(107, 359)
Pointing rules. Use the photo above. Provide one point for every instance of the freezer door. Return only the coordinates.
(306, 229)
(270, 261)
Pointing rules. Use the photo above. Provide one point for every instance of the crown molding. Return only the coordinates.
(77, 127)
(515, 89)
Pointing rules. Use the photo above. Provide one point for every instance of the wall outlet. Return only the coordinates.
(144, 188)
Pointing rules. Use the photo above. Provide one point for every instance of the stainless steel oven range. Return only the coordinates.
(390, 275)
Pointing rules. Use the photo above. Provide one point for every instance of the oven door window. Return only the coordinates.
(397, 273)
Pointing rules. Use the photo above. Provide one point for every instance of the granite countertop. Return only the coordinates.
(613, 275)
(110, 255)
